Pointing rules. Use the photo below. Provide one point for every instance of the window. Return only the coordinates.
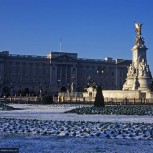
(112, 74)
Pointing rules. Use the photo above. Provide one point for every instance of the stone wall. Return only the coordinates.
(133, 96)
(120, 95)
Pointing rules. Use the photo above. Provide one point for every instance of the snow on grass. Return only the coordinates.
(46, 128)
(44, 144)
(77, 128)
(56, 112)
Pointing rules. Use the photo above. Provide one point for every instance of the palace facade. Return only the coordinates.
(58, 71)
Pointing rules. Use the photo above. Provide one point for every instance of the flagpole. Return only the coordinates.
(61, 44)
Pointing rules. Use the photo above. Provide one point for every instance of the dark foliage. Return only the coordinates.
(4, 106)
(63, 89)
(115, 110)
(151, 88)
(47, 100)
(99, 100)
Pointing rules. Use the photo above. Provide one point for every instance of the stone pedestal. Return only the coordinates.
(145, 83)
(139, 76)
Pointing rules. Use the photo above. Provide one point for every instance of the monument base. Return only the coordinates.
(120, 95)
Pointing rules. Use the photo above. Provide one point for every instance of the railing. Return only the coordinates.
(78, 98)
(63, 98)
(24, 100)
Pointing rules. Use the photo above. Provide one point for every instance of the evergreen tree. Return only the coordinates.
(151, 88)
(99, 100)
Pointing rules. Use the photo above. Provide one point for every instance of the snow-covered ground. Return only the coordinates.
(46, 128)
(56, 112)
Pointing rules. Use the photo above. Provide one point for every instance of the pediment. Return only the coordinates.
(64, 58)
(125, 62)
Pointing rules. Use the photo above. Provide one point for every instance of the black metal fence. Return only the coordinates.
(79, 100)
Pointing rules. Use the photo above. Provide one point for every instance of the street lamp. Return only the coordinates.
(40, 89)
(91, 83)
(100, 72)
(1, 85)
(11, 89)
(40, 92)
(88, 78)
(58, 84)
(72, 83)
(68, 87)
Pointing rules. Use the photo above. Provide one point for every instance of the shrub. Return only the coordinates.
(4, 106)
(115, 109)
(47, 100)
(99, 100)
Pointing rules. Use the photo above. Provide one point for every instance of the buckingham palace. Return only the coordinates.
(58, 71)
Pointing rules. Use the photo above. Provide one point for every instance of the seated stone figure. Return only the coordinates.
(131, 71)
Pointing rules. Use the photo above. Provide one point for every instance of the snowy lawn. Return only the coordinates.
(46, 144)
(46, 128)
(56, 113)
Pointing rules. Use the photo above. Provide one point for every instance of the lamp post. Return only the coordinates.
(72, 83)
(88, 78)
(68, 87)
(100, 72)
(21, 88)
(1, 85)
(11, 89)
(91, 82)
(40, 90)
(58, 85)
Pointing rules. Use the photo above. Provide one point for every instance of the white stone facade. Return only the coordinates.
(58, 71)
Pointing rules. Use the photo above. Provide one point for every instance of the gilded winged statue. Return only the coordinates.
(138, 28)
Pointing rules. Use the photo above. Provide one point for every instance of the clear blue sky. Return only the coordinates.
(92, 28)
